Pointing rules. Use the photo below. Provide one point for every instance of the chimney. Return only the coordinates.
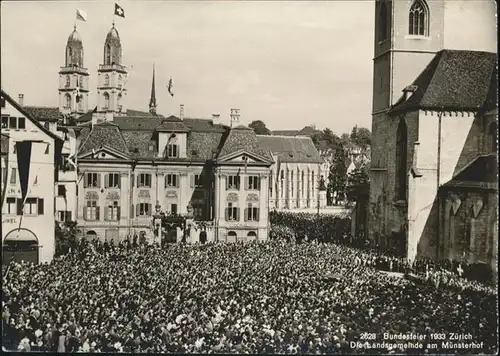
(215, 117)
(235, 117)
(21, 99)
(181, 114)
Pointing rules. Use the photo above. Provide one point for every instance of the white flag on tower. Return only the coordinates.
(81, 15)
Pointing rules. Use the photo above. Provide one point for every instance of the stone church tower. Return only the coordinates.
(410, 36)
(73, 78)
(112, 76)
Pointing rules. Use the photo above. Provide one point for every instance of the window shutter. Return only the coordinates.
(98, 180)
(106, 213)
(118, 213)
(227, 182)
(132, 183)
(258, 183)
(166, 180)
(131, 210)
(84, 213)
(149, 180)
(247, 181)
(192, 180)
(68, 216)
(237, 214)
(85, 180)
(227, 214)
(246, 214)
(19, 206)
(97, 217)
(150, 206)
(40, 206)
(257, 217)
(137, 209)
(119, 180)
(106, 181)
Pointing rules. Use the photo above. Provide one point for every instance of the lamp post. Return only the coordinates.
(157, 221)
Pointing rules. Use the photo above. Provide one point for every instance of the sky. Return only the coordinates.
(289, 64)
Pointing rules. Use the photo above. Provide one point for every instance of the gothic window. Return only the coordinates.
(81, 82)
(106, 100)
(67, 101)
(401, 157)
(383, 22)
(493, 138)
(68, 81)
(106, 80)
(419, 19)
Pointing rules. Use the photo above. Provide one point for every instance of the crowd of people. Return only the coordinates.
(254, 297)
(337, 229)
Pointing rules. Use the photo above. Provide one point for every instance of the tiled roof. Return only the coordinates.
(454, 80)
(138, 124)
(203, 125)
(102, 134)
(481, 169)
(87, 117)
(308, 131)
(171, 124)
(140, 143)
(291, 149)
(4, 144)
(285, 132)
(243, 138)
(42, 113)
(138, 113)
(203, 145)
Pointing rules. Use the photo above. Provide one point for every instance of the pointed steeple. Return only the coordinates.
(152, 101)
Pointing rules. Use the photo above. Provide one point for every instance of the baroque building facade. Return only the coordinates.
(434, 119)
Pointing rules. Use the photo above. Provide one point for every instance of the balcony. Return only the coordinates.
(73, 69)
(111, 67)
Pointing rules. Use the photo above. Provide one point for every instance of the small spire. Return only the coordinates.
(152, 100)
(74, 27)
(113, 23)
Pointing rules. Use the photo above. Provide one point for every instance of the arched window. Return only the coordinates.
(302, 184)
(106, 79)
(401, 156)
(67, 101)
(119, 101)
(68, 81)
(107, 54)
(81, 82)
(383, 22)
(106, 100)
(493, 138)
(69, 60)
(419, 19)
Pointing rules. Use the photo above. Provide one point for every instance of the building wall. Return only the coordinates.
(68, 178)
(305, 192)
(129, 194)
(241, 198)
(41, 167)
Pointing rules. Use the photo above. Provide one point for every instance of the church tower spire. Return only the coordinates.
(152, 100)
(73, 78)
(112, 76)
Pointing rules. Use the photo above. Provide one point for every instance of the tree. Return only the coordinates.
(358, 182)
(361, 137)
(66, 236)
(338, 173)
(259, 127)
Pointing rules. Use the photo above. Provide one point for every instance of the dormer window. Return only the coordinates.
(172, 150)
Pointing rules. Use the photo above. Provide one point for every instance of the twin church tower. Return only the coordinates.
(74, 78)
